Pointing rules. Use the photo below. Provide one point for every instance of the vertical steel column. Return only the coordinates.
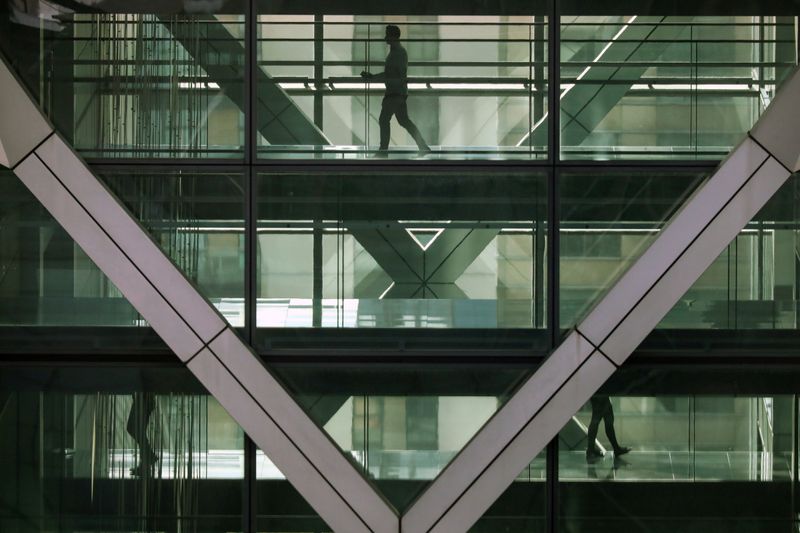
(554, 149)
(249, 499)
(554, 146)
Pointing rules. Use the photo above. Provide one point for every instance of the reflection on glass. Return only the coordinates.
(401, 424)
(118, 80)
(198, 220)
(645, 87)
(401, 251)
(279, 507)
(522, 506)
(45, 278)
(607, 220)
(754, 283)
(72, 459)
(474, 86)
(725, 461)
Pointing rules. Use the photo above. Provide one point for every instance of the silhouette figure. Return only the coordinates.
(395, 76)
(144, 403)
(602, 410)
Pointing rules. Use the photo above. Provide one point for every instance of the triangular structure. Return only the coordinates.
(712, 217)
(229, 369)
(184, 319)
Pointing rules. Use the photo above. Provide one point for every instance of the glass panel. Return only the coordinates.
(116, 449)
(608, 218)
(45, 278)
(725, 462)
(457, 86)
(197, 217)
(655, 87)
(279, 507)
(401, 250)
(753, 284)
(521, 508)
(122, 80)
(401, 424)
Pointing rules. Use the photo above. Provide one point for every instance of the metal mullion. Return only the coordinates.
(417, 167)
(250, 499)
(553, 91)
(165, 162)
(554, 152)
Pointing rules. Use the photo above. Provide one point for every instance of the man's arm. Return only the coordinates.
(380, 76)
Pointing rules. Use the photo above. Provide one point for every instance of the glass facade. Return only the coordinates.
(475, 87)
(402, 209)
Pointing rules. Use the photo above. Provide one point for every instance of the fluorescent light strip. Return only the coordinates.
(198, 85)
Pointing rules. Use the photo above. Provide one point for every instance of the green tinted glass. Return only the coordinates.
(753, 284)
(116, 449)
(45, 278)
(667, 87)
(723, 461)
(197, 217)
(401, 424)
(401, 250)
(134, 81)
(447, 87)
(608, 218)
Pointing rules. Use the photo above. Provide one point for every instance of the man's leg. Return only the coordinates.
(404, 120)
(388, 106)
(142, 407)
(594, 425)
(608, 420)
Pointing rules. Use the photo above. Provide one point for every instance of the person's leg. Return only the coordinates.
(404, 120)
(388, 106)
(591, 433)
(142, 408)
(608, 421)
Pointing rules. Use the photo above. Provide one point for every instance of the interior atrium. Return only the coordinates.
(557, 290)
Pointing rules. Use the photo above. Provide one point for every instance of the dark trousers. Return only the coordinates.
(144, 403)
(395, 104)
(601, 410)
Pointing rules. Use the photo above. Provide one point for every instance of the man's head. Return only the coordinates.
(392, 33)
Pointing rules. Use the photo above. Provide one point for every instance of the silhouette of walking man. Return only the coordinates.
(144, 403)
(395, 76)
(602, 410)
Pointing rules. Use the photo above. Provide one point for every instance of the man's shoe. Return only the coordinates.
(622, 450)
(141, 470)
(593, 455)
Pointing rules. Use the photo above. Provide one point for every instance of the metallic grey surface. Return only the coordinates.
(275, 444)
(583, 106)
(776, 130)
(131, 237)
(22, 126)
(279, 121)
(301, 430)
(490, 441)
(714, 215)
(646, 314)
(690, 220)
(123, 250)
(96, 244)
(532, 439)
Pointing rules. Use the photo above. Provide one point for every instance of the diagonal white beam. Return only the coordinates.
(711, 218)
(187, 322)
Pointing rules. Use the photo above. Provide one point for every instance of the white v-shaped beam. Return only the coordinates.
(717, 211)
(196, 332)
(183, 318)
